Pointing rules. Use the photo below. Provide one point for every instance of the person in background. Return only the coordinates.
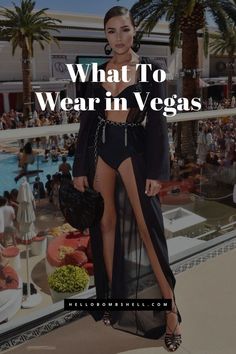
(202, 147)
(65, 168)
(6, 195)
(48, 187)
(38, 189)
(8, 220)
(13, 199)
(27, 157)
(54, 154)
(56, 181)
(2, 203)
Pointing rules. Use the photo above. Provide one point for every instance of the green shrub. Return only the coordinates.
(68, 278)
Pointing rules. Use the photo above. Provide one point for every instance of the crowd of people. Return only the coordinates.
(14, 119)
(51, 187)
(213, 104)
(9, 204)
(216, 146)
(216, 142)
(56, 148)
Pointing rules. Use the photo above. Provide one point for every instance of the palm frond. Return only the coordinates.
(189, 7)
(174, 27)
(230, 9)
(147, 13)
(224, 42)
(219, 15)
(25, 25)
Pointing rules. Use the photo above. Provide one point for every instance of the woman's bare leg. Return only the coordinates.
(128, 177)
(104, 182)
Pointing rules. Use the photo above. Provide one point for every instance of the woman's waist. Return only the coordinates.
(124, 124)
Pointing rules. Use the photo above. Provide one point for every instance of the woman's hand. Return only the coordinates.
(152, 188)
(80, 183)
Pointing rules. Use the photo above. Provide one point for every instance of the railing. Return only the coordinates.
(24, 133)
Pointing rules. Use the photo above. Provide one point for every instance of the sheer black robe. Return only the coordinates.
(133, 276)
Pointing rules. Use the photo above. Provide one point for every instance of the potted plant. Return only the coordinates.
(67, 281)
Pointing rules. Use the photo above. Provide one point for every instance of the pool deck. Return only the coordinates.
(205, 296)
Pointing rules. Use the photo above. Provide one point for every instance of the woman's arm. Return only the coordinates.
(80, 165)
(157, 145)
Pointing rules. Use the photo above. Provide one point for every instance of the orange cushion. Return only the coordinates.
(9, 278)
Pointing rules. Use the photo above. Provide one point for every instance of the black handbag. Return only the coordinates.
(80, 209)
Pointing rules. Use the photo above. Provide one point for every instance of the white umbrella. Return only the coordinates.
(25, 213)
(26, 218)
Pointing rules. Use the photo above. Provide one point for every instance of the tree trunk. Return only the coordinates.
(190, 89)
(26, 79)
(230, 77)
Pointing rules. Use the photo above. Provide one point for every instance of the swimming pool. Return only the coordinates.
(9, 170)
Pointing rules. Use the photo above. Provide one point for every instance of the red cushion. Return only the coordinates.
(83, 243)
(89, 251)
(80, 243)
(73, 234)
(175, 199)
(76, 258)
(11, 251)
(38, 238)
(89, 267)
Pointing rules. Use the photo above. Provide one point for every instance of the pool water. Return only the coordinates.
(9, 170)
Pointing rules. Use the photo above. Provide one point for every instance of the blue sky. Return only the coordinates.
(90, 6)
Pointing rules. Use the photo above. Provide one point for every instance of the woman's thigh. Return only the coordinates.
(104, 182)
(128, 177)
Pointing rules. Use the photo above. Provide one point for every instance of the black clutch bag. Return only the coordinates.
(80, 209)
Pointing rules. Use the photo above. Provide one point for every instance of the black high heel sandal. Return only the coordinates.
(172, 340)
(107, 318)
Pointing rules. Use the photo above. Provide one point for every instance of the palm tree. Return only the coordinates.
(186, 18)
(225, 43)
(23, 26)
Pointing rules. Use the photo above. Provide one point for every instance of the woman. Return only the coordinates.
(125, 162)
(27, 157)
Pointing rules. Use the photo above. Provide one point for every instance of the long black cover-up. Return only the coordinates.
(144, 139)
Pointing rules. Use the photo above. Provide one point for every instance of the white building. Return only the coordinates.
(81, 40)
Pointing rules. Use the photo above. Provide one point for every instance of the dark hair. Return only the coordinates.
(6, 195)
(14, 193)
(118, 11)
(28, 148)
(3, 201)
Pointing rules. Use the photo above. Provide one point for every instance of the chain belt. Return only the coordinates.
(103, 123)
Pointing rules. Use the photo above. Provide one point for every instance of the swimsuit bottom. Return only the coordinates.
(117, 142)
